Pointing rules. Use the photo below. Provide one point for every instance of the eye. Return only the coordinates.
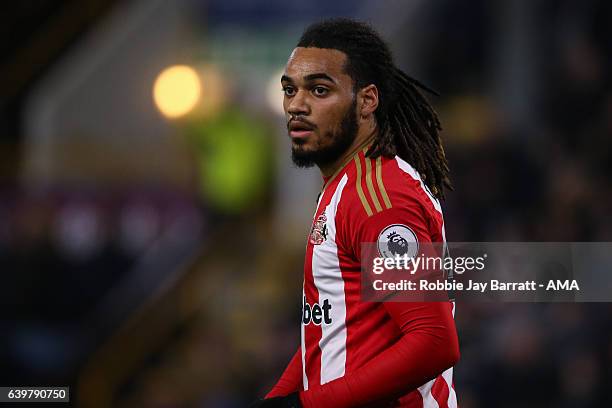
(288, 90)
(320, 91)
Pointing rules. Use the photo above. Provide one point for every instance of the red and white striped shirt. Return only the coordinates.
(357, 353)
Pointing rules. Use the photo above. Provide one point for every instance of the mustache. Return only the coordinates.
(298, 119)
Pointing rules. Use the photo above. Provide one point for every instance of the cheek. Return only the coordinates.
(330, 118)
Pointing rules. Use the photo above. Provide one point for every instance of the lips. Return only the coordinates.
(299, 129)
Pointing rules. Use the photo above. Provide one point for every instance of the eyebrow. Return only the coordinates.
(311, 77)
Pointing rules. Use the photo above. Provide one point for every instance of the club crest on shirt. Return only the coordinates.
(397, 240)
(318, 233)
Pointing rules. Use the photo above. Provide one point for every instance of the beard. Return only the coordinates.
(341, 139)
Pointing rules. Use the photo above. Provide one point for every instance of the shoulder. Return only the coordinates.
(385, 197)
(375, 185)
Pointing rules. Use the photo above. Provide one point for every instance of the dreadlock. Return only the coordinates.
(408, 125)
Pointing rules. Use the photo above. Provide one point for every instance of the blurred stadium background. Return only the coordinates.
(152, 226)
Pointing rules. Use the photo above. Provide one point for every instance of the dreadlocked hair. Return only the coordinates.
(408, 126)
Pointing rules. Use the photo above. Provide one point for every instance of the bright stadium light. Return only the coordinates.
(177, 90)
(274, 93)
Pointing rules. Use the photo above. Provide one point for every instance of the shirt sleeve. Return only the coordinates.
(291, 379)
(428, 344)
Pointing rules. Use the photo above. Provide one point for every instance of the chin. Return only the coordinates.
(299, 150)
(301, 147)
(302, 157)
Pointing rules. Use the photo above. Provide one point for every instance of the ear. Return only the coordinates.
(367, 98)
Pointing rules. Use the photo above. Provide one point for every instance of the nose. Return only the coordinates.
(298, 105)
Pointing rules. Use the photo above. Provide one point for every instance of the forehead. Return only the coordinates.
(311, 60)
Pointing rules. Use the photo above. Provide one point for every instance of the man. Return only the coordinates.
(374, 137)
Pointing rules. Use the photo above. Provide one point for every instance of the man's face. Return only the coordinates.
(319, 104)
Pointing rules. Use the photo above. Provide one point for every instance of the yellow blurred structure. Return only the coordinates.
(177, 90)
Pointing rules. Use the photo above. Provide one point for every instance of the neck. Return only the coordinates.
(362, 140)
